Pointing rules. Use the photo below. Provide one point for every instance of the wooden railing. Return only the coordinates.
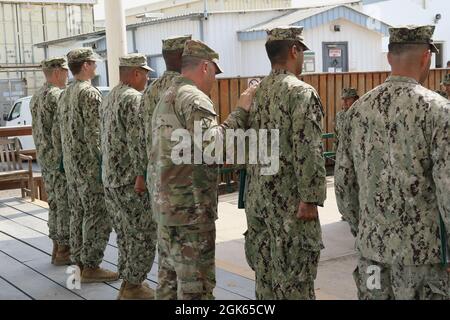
(226, 92)
(20, 131)
(7, 132)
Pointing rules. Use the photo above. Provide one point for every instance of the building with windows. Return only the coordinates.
(341, 37)
(23, 23)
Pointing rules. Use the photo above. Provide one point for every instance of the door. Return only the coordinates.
(335, 57)
(10, 91)
(20, 115)
(15, 118)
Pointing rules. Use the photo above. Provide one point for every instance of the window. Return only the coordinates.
(15, 112)
(74, 19)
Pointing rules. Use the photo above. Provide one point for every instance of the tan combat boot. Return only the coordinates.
(137, 292)
(119, 296)
(54, 251)
(63, 256)
(92, 275)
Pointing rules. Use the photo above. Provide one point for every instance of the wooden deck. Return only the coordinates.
(26, 272)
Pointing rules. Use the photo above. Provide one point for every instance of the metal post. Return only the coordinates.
(116, 37)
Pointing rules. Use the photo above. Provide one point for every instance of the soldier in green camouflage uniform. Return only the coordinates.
(43, 107)
(122, 163)
(446, 84)
(172, 50)
(184, 196)
(349, 97)
(393, 177)
(284, 239)
(78, 114)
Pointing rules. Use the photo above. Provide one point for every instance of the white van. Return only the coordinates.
(20, 115)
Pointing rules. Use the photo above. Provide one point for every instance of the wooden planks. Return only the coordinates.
(8, 291)
(27, 224)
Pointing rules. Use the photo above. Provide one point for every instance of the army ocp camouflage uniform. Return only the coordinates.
(283, 250)
(184, 196)
(78, 115)
(153, 94)
(133, 223)
(43, 107)
(392, 184)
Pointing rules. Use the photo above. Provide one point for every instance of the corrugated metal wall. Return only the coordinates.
(249, 58)
(149, 38)
(219, 32)
(24, 24)
(213, 5)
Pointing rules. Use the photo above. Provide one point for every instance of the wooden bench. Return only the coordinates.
(12, 169)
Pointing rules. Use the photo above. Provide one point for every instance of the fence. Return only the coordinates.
(225, 93)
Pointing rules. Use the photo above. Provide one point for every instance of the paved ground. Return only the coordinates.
(25, 248)
(338, 259)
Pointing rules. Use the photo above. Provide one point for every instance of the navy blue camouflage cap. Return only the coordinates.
(55, 62)
(83, 55)
(446, 80)
(292, 33)
(349, 93)
(413, 34)
(175, 43)
(135, 60)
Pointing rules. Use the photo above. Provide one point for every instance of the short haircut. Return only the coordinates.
(169, 55)
(190, 62)
(278, 50)
(173, 59)
(401, 48)
(126, 71)
(75, 67)
(49, 71)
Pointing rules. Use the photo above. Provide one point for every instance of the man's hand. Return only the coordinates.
(139, 186)
(307, 212)
(246, 99)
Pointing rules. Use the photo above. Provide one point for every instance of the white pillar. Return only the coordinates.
(116, 37)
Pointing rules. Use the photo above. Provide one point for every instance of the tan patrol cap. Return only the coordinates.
(198, 49)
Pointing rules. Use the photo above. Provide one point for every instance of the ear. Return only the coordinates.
(205, 67)
(294, 51)
(426, 57)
